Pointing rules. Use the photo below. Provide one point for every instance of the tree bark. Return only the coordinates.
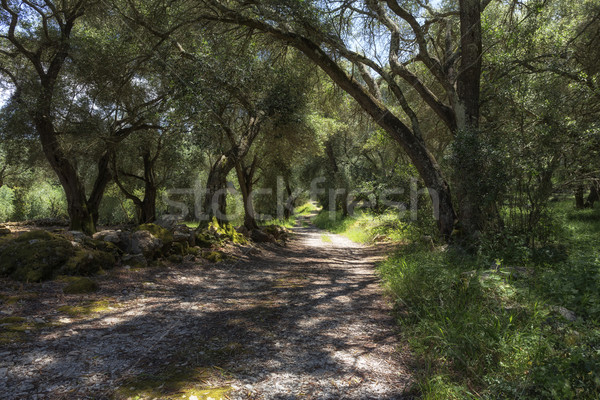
(579, 201)
(245, 178)
(337, 178)
(467, 172)
(80, 214)
(594, 196)
(217, 181)
(288, 208)
(146, 207)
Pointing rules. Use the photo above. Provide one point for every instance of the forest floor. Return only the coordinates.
(303, 321)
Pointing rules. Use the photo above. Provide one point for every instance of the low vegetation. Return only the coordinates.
(504, 324)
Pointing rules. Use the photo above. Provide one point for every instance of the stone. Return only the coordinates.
(78, 236)
(565, 313)
(143, 242)
(261, 237)
(134, 261)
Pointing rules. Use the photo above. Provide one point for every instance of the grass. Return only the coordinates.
(285, 223)
(364, 227)
(481, 327)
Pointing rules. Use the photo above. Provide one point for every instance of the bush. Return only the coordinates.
(7, 208)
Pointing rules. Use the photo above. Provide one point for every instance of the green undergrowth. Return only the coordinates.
(306, 209)
(482, 327)
(365, 227)
(287, 223)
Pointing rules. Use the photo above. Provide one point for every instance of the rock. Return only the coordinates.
(261, 237)
(144, 242)
(117, 237)
(213, 256)
(276, 231)
(565, 313)
(135, 260)
(183, 234)
(168, 221)
(88, 262)
(78, 236)
(34, 256)
(242, 230)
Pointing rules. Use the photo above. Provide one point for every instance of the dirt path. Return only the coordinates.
(304, 321)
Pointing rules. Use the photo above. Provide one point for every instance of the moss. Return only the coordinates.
(206, 240)
(6, 299)
(103, 246)
(193, 251)
(11, 337)
(213, 256)
(33, 256)
(11, 320)
(175, 383)
(79, 285)
(87, 308)
(180, 248)
(157, 231)
(227, 231)
(88, 262)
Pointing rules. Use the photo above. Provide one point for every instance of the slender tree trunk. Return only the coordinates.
(245, 176)
(337, 178)
(579, 201)
(148, 210)
(594, 196)
(287, 210)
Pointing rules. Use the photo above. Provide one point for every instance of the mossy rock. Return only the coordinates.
(88, 262)
(80, 285)
(157, 231)
(213, 256)
(276, 231)
(179, 248)
(205, 240)
(175, 258)
(34, 256)
(103, 246)
(226, 231)
(193, 250)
